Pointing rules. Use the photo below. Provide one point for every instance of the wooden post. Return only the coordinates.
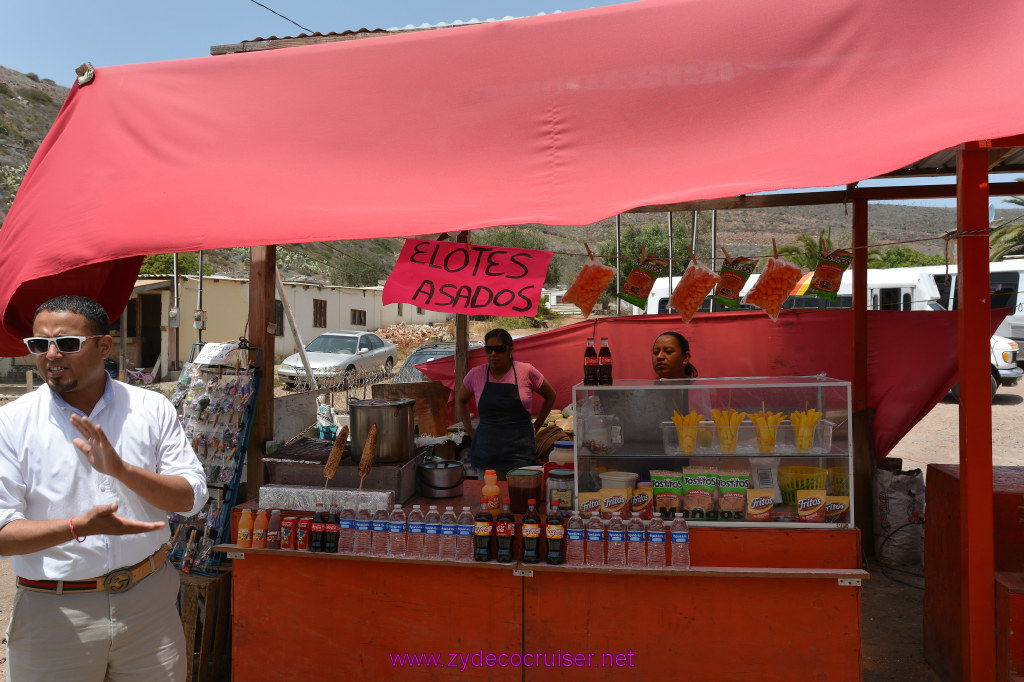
(262, 267)
(977, 562)
(461, 336)
(863, 447)
(28, 381)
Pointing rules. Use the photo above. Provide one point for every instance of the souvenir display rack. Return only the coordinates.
(215, 402)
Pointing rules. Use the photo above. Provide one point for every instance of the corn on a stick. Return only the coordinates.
(366, 461)
(337, 451)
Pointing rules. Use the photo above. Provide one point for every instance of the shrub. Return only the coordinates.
(5, 90)
(36, 96)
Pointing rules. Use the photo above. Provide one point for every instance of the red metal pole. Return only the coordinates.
(864, 458)
(976, 524)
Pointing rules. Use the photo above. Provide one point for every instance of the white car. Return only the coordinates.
(1004, 369)
(335, 356)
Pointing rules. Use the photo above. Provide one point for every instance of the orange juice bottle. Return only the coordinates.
(259, 530)
(244, 538)
(492, 492)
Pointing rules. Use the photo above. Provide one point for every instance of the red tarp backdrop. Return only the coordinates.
(563, 119)
(912, 360)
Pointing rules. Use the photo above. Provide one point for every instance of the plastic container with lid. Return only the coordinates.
(562, 452)
(561, 483)
(618, 479)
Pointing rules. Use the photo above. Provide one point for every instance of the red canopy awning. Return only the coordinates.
(561, 119)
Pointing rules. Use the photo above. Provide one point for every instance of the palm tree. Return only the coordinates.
(809, 250)
(1008, 238)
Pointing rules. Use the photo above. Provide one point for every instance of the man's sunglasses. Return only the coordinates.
(38, 345)
(495, 349)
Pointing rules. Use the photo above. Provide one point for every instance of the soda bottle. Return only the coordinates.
(316, 529)
(432, 533)
(464, 541)
(346, 530)
(273, 530)
(595, 540)
(414, 547)
(604, 363)
(331, 531)
(591, 371)
(616, 541)
(449, 534)
(244, 537)
(396, 532)
(505, 531)
(636, 550)
(259, 530)
(362, 537)
(483, 531)
(680, 543)
(574, 539)
(379, 540)
(656, 542)
(554, 533)
(531, 533)
(492, 492)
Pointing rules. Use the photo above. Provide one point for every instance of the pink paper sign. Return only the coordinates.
(472, 279)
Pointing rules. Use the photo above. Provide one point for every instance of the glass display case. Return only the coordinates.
(743, 451)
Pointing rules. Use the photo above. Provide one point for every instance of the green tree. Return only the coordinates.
(905, 257)
(516, 238)
(10, 182)
(163, 264)
(654, 238)
(806, 253)
(1008, 239)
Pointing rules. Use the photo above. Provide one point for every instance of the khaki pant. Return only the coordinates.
(135, 635)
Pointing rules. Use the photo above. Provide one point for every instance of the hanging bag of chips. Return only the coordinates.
(589, 284)
(693, 286)
(774, 285)
(829, 272)
(734, 274)
(641, 278)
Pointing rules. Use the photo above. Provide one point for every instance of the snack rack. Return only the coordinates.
(629, 427)
(215, 399)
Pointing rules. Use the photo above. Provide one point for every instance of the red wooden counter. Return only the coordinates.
(758, 604)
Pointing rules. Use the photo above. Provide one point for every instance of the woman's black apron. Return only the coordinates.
(504, 440)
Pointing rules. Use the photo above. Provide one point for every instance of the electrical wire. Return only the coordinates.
(307, 30)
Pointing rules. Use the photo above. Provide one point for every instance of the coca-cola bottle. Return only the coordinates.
(575, 532)
(505, 531)
(316, 534)
(591, 371)
(554, 533)
(483, 531)
(604, 364)
(531, 533)
(331, 531)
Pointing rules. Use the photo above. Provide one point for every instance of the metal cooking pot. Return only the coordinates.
(440, 478)
(395, 427)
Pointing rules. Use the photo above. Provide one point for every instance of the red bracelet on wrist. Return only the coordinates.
(71, 525)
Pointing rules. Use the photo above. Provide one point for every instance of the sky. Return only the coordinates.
(51, 38)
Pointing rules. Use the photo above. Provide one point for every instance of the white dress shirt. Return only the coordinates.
(43, 476)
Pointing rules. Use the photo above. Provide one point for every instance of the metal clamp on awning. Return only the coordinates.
(85, 73)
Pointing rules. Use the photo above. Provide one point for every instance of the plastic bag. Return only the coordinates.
(693, 286)
(641, 280)
(734, 274)
(829, 273)
(899, 516)
(773, 286)
(589, 285)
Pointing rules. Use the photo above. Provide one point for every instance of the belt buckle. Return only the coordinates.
(118, 581)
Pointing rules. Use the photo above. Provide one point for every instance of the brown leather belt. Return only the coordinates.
(121, 580)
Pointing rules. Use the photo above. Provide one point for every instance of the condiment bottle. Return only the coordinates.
(274, 530)
(259, 530)
(244, 538)
(492, 492)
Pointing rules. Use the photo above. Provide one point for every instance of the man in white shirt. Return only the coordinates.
(89, 468)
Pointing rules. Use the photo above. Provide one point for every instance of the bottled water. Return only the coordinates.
(449, 533)
(379, 525)
(431, 533)
(636, 549)
(680, 543)
(616, 541)
(346, 530)
(574, 539)
(464, 541)
(595, 540)
(414, 543)
(396, 532)
(656, 543)
(363, 532)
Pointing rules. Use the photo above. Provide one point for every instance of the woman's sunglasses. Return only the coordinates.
(495, 349)
(38, 345)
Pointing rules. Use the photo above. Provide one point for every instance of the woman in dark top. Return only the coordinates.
(670, 357)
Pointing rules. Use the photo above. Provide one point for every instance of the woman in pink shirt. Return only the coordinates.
(504, 388)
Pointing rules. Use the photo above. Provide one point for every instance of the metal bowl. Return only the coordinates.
(440, 478)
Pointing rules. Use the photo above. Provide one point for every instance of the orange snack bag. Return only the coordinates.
(616, 500)
(773, 286)
(589, 284)
(810, 505)
(693, 286)
(759, 504)
(589, 502)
